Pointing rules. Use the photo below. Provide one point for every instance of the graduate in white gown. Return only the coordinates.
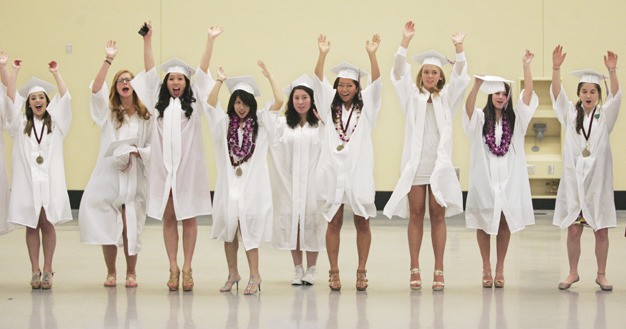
(585, 194)
(298, 224)
(345, 173)
(112, 210)
(428, 182)
(178, 182)
(5, 191)
(243, 198)
(498, 199)
(39, 198)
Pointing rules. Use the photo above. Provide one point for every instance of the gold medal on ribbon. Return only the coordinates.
(39, 159)
(238, 171)
(586, 152)
(340, 147)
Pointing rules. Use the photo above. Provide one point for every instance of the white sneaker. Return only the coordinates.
(309, 276)
(297, 277)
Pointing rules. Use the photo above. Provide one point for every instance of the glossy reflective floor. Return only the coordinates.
(535, 264)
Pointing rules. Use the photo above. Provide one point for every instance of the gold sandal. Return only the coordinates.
(415, 284)
(46, 280)
(438, 285)
(172, 283)
(110, 281)
(35, 280)
(187, 281)
(487, 280)
(499, 283)
(131, 281)
(361, 280)
(333, 280)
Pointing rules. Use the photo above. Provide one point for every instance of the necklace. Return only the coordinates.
(587, 134)
(240, 154)
(38, 139)
(490, 138)
(341, 129)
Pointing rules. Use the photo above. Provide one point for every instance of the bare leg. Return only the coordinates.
(502, 245)
(296, 255)
(190, 235)
(48, 241)
(484, 245)
(602, 251)
(131, 261)
(170, 234)
(33, 244)
(311, 258)
(574, 233)
(438, 234)
(333, 239)
(254, 283)
(110, 255)
(230, 249)
(363, 240)
(415, 229)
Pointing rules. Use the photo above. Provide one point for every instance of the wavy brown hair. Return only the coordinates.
(580, 112)
(47, 119)
(115, 102)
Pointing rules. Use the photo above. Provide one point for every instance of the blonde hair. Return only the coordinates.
(440, 83)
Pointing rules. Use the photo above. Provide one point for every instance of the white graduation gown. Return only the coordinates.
(39, 185)
(294, 158)
(244, 200)
(444, 183)
(176, 150)
(347, 175)
(499, 184)
(5, 191)
(586, 183)
(100, 212)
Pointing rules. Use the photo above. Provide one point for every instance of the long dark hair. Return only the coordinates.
(357, 101)
(185, 99)
(507, 113)
(248, 99)
(47, 119)
(580, 112)
(293, 117)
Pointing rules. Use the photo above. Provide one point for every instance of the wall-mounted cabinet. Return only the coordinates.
(543, 144)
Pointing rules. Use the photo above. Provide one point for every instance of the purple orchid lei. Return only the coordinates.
(490, 138)
(343, 135)
(246, 150)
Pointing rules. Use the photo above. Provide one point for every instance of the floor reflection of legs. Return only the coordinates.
(572, 309)
(500, 314)
(233, 310)
(110, 314)
(174, 299)
(333, 310)
(361, 311)
(485, 314)
(438, 311)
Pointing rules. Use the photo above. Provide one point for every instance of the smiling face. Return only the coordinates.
(241, 109)
(346, 89)
(430, 76)
(589, 94)
(176, 84)
(301, 102)
(38, 103)
(499, 99)
(122, 85)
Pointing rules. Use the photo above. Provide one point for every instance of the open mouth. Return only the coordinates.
(125, 89)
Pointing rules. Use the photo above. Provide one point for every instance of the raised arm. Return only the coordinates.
(53, 67)
(6, 77)
(457, 40)
(212, 34)
(470, 103)
(558, 56)
(110, 52)
(372, 47)
(610, 61)
(148, 55)
(407, 36)
(324, 46)
(528, 77)
(219, 81)
(278, 95)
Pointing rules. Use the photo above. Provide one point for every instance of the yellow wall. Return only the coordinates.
(284, 33)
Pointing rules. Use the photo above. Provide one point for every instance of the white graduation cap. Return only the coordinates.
(303, 80)
(348, 71)
(431, 57)
(492, 84)
(245, 83)
(589, 76)
(175, 65)
(35, 85)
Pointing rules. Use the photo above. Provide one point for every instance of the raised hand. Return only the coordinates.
(372, 45)
(17, 64)
(323, 44)
(266, 73)
(558, 56)
(610, 60)
(111, 49)
(409, 30)
(4, 58)
(148, 34)
(221, 75)
(215, 31)
(458, 37)
(53, 66)
(528, 57)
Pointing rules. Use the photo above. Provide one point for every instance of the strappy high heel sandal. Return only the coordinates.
(110, 281)
(172, 283)
(361, 280)
(46, 280)
(253, 287)
(415, 284)
(187, 281)
(487, 280)
(499, 283)
(438, 285)
(333, 280)
(228, 286)
(35, 280)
